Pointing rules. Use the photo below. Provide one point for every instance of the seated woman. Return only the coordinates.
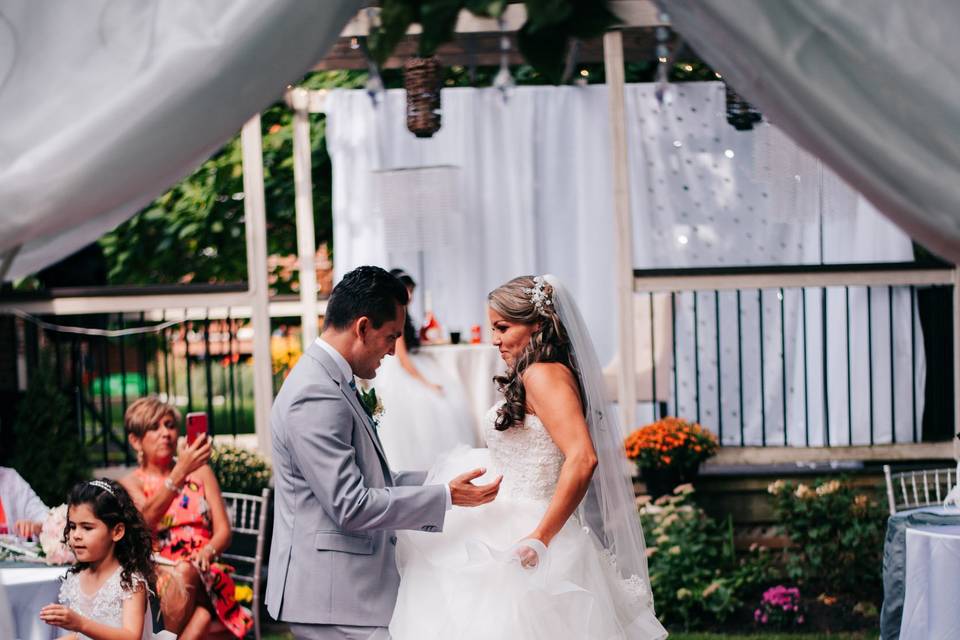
(22, 512)
(425, 410)
(181, 503)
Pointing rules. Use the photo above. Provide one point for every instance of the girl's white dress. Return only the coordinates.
(106, 605)
(462, 583)
(418, 424)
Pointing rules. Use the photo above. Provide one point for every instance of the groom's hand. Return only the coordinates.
(464, 493)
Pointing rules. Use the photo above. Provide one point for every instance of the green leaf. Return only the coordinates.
(486, 8)
(591, 19)
(396, 17)
(438, 19)
(544, 13)
(544, 49)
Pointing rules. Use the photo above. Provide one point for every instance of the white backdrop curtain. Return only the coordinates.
(107, 103)
(872, 88)
(536, 198)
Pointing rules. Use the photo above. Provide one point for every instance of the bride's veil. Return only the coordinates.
(608, 509)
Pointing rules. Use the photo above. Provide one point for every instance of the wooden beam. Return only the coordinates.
(623, 225)
(255, 219)
(799, 455)
(303, 203)
(483, 50)
(632, 13)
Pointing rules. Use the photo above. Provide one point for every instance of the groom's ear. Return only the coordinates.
(361, 326)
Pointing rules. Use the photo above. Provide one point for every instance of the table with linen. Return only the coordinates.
(474, 365)
(921, 575)
(27, 588)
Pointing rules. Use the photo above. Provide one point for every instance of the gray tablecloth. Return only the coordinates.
(894, 560)
(29, 587)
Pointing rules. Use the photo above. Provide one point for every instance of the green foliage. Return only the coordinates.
(543, 40)
(697, 577)
(240, 470)
(837, 533)
(48, 453)
(195, 232)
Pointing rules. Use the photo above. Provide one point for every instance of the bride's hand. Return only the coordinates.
(529, 551)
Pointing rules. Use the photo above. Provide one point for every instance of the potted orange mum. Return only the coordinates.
(669, 452)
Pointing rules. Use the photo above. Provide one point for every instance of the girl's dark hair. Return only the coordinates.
(548, 343)
(411, 337)
(135, 548)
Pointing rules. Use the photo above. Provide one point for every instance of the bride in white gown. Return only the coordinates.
(559, 554)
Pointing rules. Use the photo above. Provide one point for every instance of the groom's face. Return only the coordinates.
(375, 343)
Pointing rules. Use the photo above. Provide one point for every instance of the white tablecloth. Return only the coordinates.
(29, 589)
(931, 607)
(474, 365)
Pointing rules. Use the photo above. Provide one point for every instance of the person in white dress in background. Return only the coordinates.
(425, 410)
(104, 595)
(559, 554)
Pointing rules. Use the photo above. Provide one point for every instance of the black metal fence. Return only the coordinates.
(198, 359)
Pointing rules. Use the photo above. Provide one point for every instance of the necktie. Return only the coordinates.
(353, 385)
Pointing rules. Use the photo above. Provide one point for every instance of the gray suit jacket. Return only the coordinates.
(336, 504)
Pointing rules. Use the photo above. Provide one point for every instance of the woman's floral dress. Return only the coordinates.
(186, 528)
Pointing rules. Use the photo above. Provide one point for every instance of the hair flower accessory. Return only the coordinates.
(539, 296)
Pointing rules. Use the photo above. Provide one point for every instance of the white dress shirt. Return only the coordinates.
(347, 371)
(20, 502)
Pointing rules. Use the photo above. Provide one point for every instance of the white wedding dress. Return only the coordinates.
(465, 583)
(418, 424)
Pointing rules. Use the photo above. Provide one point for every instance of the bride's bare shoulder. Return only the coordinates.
(547, 379)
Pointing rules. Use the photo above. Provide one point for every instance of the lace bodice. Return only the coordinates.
(106, 605)
(527, 457)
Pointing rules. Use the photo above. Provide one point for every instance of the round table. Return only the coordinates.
(474, 365)
(29, 588)
(930, 608)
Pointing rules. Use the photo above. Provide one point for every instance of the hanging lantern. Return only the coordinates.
(422, 78)
(740, 113)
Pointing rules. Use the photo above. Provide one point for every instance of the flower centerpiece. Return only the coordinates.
(669, 452)
(52, 535)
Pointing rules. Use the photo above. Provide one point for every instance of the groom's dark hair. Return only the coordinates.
(365, 291)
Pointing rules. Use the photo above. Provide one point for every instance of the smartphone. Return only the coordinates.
(196, 425)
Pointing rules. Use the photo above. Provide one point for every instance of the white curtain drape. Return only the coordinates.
(872, 88)
(107, 103)
(536, 198)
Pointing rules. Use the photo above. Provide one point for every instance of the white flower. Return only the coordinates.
(51, 537)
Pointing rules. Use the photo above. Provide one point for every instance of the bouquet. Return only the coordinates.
(670, 443)
(51, 538)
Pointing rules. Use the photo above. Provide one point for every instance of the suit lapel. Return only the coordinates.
(322, 357)
(351, 397)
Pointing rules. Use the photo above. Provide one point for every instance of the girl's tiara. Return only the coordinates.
(100, 484)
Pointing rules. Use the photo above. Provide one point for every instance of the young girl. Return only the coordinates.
(104, 595)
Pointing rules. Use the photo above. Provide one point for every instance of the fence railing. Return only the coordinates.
(836, 355)
(108, 346)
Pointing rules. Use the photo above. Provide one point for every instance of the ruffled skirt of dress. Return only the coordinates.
(462, 583)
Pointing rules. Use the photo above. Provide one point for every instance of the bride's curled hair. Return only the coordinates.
(548, 343)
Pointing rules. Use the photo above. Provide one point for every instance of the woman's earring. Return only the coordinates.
(140, 457)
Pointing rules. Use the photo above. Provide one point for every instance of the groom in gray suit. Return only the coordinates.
(333, 572)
